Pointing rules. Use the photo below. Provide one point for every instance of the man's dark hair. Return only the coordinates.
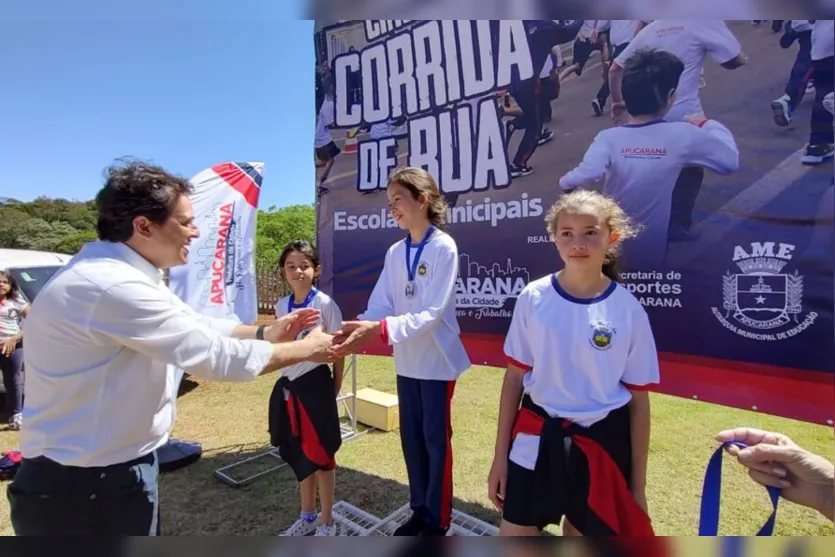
(136, 189)
(648, 77)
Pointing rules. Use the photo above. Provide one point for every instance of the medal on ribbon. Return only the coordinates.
(412, 265)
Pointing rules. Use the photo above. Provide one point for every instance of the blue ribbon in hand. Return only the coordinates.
(712, 494)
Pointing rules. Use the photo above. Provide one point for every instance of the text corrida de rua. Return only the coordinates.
(442, 75)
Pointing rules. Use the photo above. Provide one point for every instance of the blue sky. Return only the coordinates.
(184, 83)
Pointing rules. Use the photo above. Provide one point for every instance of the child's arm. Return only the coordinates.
(338, 373)
(711, 145)
(641, 374)
(519, 362)
(594, 166)
(639, 425)
(332, 318)
(511, 396)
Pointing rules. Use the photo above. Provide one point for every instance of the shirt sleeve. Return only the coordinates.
(712, 146)
(642, 370)
(141, 317)
(718, 40)
(441, 289)
(381, 302)
(331, 317)
(594, 166)
(517, 349)
(636, 43)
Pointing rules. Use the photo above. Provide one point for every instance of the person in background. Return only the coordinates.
(574, 412)
(642, 160)
(621, 32)
(13, 308)
(773, 459)
(326, 148)
(110, 337)
(303, 416)
(820, 147)
(799, 30)
(691, 40)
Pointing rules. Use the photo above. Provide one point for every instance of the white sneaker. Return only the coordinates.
(325, 530)
(16, 422)
(828, 103)
(302, 527)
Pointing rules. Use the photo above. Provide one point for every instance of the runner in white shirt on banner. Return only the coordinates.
(621, 32)
(691, 41)
(105, 338)
(820, 146)
(641, 160)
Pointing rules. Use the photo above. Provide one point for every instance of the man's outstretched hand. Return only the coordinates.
(353, 335)
(320, 345)
(288, 327)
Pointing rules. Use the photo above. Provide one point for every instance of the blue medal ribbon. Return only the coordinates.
(291, 306)
(712, 495)
(411, 266)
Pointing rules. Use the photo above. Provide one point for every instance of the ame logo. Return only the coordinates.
(761, 297)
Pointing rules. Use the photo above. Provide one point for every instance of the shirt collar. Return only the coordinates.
(120, 251)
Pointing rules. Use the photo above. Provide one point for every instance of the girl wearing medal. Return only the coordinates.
(303, 416)
(412, 308)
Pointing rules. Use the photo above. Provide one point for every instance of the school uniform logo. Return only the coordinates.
(602, 333)
(764, 302)
(423, 269)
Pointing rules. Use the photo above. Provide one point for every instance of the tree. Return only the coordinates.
(73, 244)
(47, 224)
(38, 234)
(65, 226)
(278, 227)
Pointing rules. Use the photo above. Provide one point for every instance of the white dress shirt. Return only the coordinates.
(104, 338)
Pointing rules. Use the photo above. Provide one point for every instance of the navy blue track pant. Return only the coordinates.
(426, 438)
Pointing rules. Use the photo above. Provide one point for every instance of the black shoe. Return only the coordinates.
(817, 154)
(433, 532)
(412, 527)
(519, 171)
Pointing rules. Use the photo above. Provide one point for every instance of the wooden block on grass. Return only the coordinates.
(378, 409)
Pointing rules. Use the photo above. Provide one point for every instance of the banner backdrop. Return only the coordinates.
(741, 306)
(219, 278)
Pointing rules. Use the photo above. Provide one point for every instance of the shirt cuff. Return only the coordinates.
(259, 356)
(384, 331)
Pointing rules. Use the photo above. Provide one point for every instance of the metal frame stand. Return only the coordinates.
(347, 426)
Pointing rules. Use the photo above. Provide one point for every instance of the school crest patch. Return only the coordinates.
(423, 269)
(602, 333)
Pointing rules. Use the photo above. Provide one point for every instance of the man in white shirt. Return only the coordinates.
(820, 147)
(107, 336)
(691, 40)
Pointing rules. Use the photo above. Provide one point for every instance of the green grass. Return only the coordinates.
(230, 421)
